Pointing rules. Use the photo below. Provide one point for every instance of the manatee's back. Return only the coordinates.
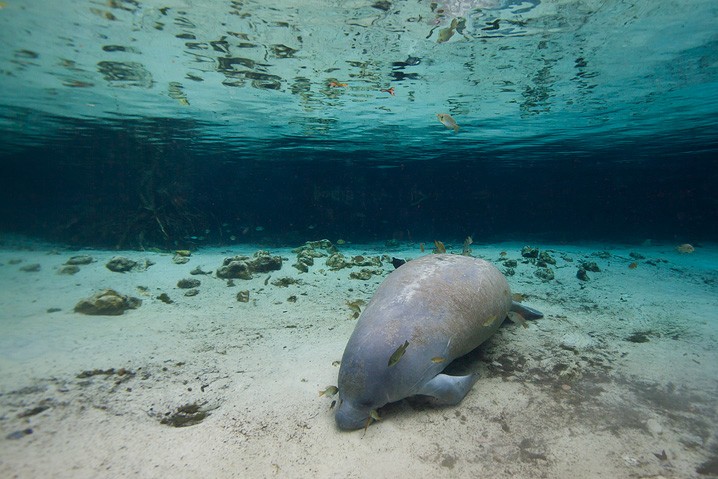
(442, 305)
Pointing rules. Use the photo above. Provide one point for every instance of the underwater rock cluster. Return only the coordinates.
(107, 303)
(242, 267)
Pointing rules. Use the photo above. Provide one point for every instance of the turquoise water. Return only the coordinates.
(576, 118)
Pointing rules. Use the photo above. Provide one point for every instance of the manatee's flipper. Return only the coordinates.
(448, 390)
(525, 311)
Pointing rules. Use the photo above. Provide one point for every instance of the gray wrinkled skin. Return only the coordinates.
(444, 306)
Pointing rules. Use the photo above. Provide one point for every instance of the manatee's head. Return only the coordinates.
(360, 392)
(351, 415)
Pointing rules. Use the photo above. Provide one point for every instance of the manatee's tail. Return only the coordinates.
(525, 311)
(519, 313)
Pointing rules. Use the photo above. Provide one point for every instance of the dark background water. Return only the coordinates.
(115, 187)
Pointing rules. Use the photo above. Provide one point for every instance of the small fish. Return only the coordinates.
(334, 403)
(448, 121)
(633, 265)
(390, 91)
(329, 391)
(685, 248)
(445, 34)
(518, 319)
(437, 359)
(421, 247)
(373, 416)
(440, 248)
(396, 356)
(336, 84)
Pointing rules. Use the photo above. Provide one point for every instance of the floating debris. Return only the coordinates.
(175, 91)
(390, 91)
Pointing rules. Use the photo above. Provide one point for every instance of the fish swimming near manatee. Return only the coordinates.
(425, 314)
(448, 121)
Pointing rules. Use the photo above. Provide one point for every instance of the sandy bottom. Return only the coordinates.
(619, 379)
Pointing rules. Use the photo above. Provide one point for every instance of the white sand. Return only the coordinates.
(568, 397)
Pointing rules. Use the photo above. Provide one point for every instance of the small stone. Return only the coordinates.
(364, 274)
(284, 282)
(590, 266)
(164, 297)
(582, 275)
(80, 260)
(18, 434)
(179, 259)
(188, 283)
(545, 258)
(243, 296)
(107, 303)
(30, 268)
(68, 269)
(120, 264)
(191, 292)
(199, 270)
(529, 252)
(303, 268)
(654, 427)
(545, 274)
(336, 261)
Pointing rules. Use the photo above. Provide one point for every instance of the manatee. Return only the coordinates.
(426, 313)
